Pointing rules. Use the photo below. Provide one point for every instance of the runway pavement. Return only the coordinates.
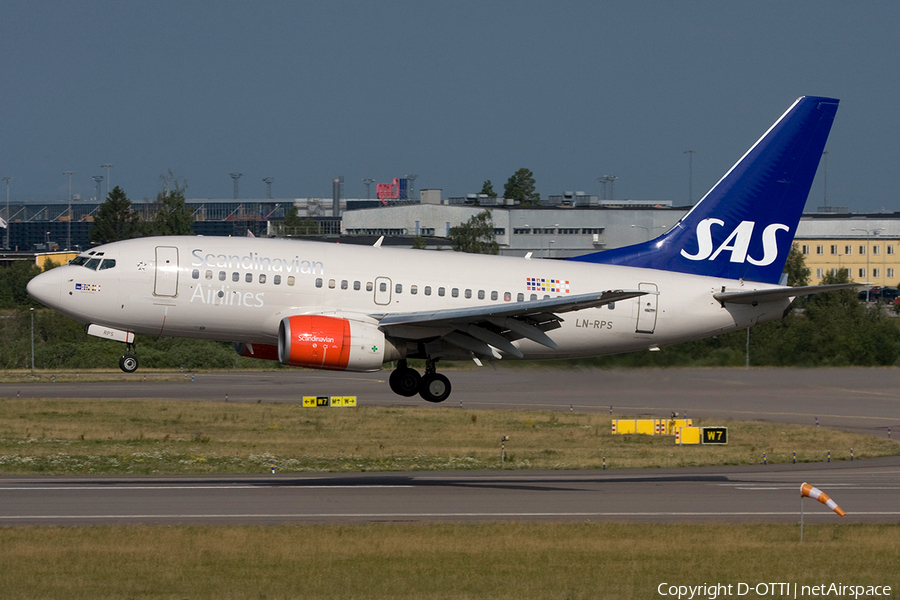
(869, 492)
(857, 399)
(862, 400)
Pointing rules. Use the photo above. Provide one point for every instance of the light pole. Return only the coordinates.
(268, 181)
(107, 166)
(869, 233)
(7, 179)
(32, 339)
(69, 224)
(649, 229)
(368, 181)
(97, 180)
(690, 154)
(236, 176)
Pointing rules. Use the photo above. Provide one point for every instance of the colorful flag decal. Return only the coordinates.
(539, 284)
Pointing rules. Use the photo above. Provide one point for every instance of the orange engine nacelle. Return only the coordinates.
(321, 342)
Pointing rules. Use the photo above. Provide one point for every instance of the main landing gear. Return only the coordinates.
(128, 362)
(407, 382)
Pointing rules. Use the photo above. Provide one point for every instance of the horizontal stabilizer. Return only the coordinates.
(773, 294)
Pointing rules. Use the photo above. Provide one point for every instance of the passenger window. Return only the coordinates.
(291, 280)
(534, 297)
(235, 276)
(195, 274)
(344, 284)
(209, 274)
(221, 275)
(611, 305)
(427, 290)
(369, 286)
(398, 288)
(455, 292)
(468, 293)
(520, 297)
(441, 291)
(248, 277)
(481, 294)
(493, 295)
(507, 296)
(262, 277)
(356, 286)
(318, 282)
(382, 287)
(413, 289)
(109, 263)
(277, 279)
(331, 284)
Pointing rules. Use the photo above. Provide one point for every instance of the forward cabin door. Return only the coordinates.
(166, 283)
(646, 319)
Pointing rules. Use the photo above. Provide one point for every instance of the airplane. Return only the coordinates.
(355, 308)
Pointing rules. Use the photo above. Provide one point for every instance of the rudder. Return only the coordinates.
(744, 226)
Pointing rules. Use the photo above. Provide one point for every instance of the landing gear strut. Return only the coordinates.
(407, 382)
(128, 362)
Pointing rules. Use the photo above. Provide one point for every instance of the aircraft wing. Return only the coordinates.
(484, 329)
(772, 294)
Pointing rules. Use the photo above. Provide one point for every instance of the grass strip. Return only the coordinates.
(446, 561)
(72, 436)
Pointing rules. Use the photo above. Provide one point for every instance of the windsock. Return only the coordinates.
(817, 494)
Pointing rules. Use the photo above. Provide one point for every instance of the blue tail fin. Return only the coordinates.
(744, 226)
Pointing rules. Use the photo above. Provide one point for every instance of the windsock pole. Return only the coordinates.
(808, 491)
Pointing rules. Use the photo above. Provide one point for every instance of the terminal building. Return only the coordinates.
(564, 225)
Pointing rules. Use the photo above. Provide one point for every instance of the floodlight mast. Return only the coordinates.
(236, 176)
(7, 180)
(107, 166)
(69, 212)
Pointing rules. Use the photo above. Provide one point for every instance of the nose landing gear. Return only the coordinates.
(407, 382)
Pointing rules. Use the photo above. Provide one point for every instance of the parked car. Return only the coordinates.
(885, 294)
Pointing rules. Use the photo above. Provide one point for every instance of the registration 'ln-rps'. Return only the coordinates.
(353, 308)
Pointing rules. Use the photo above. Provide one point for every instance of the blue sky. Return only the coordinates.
(455, 92)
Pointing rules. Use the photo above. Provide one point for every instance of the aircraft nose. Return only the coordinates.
(46, 288)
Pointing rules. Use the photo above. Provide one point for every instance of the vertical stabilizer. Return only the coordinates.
(744, 226)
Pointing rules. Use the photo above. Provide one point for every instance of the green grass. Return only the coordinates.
(53, 436)
(425, 561)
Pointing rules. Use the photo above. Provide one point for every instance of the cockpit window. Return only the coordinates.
(78, 261)
(93, 263)
(108, 263)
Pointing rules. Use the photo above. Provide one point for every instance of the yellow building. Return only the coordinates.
(868, 248)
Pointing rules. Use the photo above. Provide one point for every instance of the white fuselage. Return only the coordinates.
(239, 289)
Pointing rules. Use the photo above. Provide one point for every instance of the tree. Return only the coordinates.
(795, 267)
(171, 216)
(13, 280)
(114, 220)
(487, 188)
(294, 224)
(520, 186)
(476, 235)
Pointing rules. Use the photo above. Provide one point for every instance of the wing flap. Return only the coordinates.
(485, 330)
